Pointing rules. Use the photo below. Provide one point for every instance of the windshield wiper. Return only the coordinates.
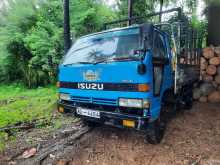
(125, 58)
(78, 63)
(102, 61)
(117, 59)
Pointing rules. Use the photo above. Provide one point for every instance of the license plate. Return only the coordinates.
(88, 112)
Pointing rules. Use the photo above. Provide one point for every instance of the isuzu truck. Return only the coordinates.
(128, 76)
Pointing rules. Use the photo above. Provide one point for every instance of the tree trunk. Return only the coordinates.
(66, 26)
(161, 8)
(130, 5)
(214, 24)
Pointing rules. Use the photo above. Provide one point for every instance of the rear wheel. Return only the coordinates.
(188, 100)
(155, 131)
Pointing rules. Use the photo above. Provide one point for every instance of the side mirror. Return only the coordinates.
(139, 51)
(141, 69)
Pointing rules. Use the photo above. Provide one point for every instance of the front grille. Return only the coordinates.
(104, 101)
(100, 101)
(81, 99)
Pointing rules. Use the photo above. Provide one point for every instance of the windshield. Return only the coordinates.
(105, 46)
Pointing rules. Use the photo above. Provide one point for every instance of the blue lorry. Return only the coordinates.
(128, 76)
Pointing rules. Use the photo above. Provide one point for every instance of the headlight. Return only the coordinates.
(58, 84)
(64, 96)
(134, 103)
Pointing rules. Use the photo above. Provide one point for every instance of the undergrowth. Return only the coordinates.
(18, 104)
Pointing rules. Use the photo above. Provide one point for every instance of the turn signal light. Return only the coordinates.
(143, 87)
(61, 109)
(58, 84)
(129, 123)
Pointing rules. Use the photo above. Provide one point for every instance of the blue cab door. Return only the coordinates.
(161, 72)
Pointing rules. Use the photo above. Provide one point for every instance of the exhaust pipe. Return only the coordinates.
(66, 26)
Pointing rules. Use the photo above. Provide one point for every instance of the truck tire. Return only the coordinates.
(155, 131)
(188, 104)
(188, 101)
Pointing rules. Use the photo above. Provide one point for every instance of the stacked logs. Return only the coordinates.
(209, 90)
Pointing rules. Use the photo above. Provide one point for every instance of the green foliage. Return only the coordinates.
(19, 104)
(13, 27)
(88, 16)
(31, 35)
(140, 7)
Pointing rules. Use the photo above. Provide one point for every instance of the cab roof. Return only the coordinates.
(146, 26)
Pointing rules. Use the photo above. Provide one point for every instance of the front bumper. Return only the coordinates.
(109, 118)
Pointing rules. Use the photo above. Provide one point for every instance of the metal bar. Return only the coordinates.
(191, 47)
(148, 15)
(161, 8)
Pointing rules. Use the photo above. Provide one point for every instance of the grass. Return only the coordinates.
(18, 104)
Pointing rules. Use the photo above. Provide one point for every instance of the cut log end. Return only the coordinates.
(211, 70)
(208, 52)
(214, 61)
(214, 97)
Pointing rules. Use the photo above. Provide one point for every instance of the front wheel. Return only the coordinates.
(155, 131)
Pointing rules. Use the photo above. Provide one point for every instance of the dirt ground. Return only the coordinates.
(192, 137)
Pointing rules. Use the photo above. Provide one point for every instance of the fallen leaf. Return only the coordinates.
(29, 153)
(52, 156)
